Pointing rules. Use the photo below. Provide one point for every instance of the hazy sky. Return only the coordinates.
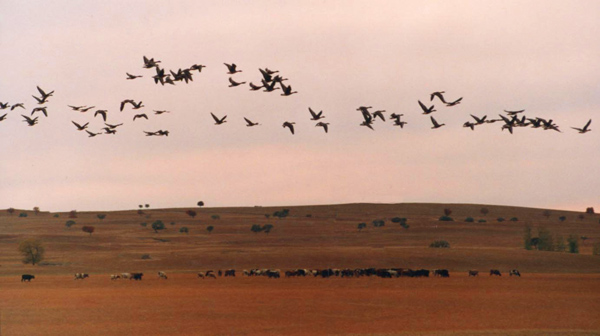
(542, 56)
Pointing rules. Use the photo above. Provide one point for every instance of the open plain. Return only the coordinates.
(556, 295)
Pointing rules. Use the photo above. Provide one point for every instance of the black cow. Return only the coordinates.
(27, 277)
(443, 273)
(136, 276)
(495, 272)
(473, 273)
(514, 272)
(230, 272)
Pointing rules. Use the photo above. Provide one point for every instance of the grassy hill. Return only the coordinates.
(309, 237)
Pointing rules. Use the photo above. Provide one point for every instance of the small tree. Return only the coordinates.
(184, 230)
(484, 211)
(500, 219)
(141, 206)
(200, 204)
(255, 228)
(546, 213)
(210, 228)
(590, 211)
(158, 225)
(514, 219)
(446, 219)
(69, 223)
(36, 210)
(140, 212)
(23, 214)
(447, 212)
(469, 220)
(440, 244)
(191, 213)
(573, 242)
(562, 218)
(88, 229)
(10, 211)
(545, 240)
(32, 251)
(378, 223)
(267, 228)
(361, 226)
(144, 224)
(147, 206)
(73, 214)
(101, 216)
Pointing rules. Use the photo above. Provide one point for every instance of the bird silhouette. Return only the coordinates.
(3, 105)
(397, 121)
(42, 100)
(470, 125)
(91, 134)
(3, 117)
(583, 130)
(232, 68)
(17, 105)
(250, 123)
(379, 113)
(512, 113)
(76, 108)
(269, 87)
(315, 116)
(130, 76)
(197, 67)
(287, 89)
(456, 102)
(289, 125)
(44, 94)
(324, 125)
(150, 133)
(149, 63)
(108, 130)
(40, 109)
(217, 120)
(113, 126)
(479, 120)
(255, 87)
(142, 115)
(367, 124)
(101, 113)
(133, 103)
(438, 94)
(161, 111)
(80, 127)
(426, 110)
(85, 109)
(234, 83)
(29, 121)
(435, 123)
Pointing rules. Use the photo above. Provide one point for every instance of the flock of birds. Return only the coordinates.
(269, 82)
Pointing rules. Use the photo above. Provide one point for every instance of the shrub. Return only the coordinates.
(210, 228)
(446, 219)
(88, 229)
(596, 249)
(101, 216)
(514, 219)
(482, 221)
(158, 225)
(590, 211)
(200, 204)
(36, 210)
(32, 251)
(573, 242)
(447, 212)
(440, 244)
(215, 217)
(309, 215)
(267, 228)
(144, 224)
(484, 211)
(145, 256)
(69, 223)
(545, 240)
(140, 212)
(140, 206)
(23, 214)
(56, 216)
(191, 213)
(147, 206)
(10, 211)
(378, 223)
(404, 225)
(562, 218)
(361, 226)
(469, 220)
(399, 220)
(281, 214)
(500, 219)
(255, 228)
(184, 230)
(73, 214)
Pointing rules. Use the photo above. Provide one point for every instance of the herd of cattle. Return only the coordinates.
(301, 272)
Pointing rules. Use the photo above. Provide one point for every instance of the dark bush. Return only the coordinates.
(191, 213)
(469, 220)
(267, 228)
(101, 216)
(73, 214)
(404, 225)
(500, 219)
(399, 220)
(200, 204)
(446, 219)
(256, 228)
(581, 217)
(447, 212)
(562, 218)
(23, 214)
(440, 244)
(361, 226)
(482, 221)
(210, 228)
(573, 242)
(545, 240)
(145, 256)
(546, 213)
(514, 219)
(281, 214)
(184, 230)
(484, 211)
(378, 223)
(172, 223)
(158, 225)
(69, 223)
(56, 216)
(10, 211)
(88, 229)
(590, 211)
(309, 215)
(267, 216)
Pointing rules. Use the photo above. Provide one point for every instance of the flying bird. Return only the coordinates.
(315, 116)
(197, 67)
(456, 102)
(426, 110)
(470, 125)
(29, 121)
(324, 125)
(108, 130)
(234, 83)
(3, 105)
(113, 126)
(289, 125)
(269, 87)
(161, 111)
(91, 135)
(438, 94)
(149, 63)
(367, 124)
(85, 109)
(250, 123)
(80, 127)
(255, 87)
(3, 117)
(130, 76)
(287, 89)
(44, 94)
(435, 123)
(17, 105)
(142, 115)
(397, 121)
(133, 103)
(76, 108)
(102, 113)
(479, 120)
(512, 113)
(217, 120)
(40, 109)
(379, 113)
(583, 130)
(232, 68)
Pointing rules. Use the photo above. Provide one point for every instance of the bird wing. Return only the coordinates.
(425, 109)
(314, 115)
(232, 81)
(76, 124)
(587, 125)
(215, 117)
(41, 91)
(250, 123)
(434, 122)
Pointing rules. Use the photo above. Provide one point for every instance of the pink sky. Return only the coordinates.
(541, 56)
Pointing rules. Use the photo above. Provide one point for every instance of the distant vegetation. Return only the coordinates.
(440, 244)
(200, 204)
(36, 210)
(73, 214)
(257, 228)
(562, 218)
(144, 224)
(514, 219)
(184, 230)
(145, 256)
(281, 214)
(56, 216)
(23, 214)
(469, 220)
(446, 219)
(546, 213)
(546, 241)
(69, 223)
(215, 217)
(596, 249)
(191, 213)
(88, 229)
(482, 221)
(500, 219)
(590, 211)
(484, 211)
(158, 225)
(101, 216)
(361, 226)
(378, 223)
(32, 251)
(447, 212)
(10, 211)
(210, 228)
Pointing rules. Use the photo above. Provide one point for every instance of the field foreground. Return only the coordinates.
(536, 304)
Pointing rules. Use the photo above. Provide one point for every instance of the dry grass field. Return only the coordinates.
(557, 294)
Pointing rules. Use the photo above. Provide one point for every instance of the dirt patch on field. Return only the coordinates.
(538, 304)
